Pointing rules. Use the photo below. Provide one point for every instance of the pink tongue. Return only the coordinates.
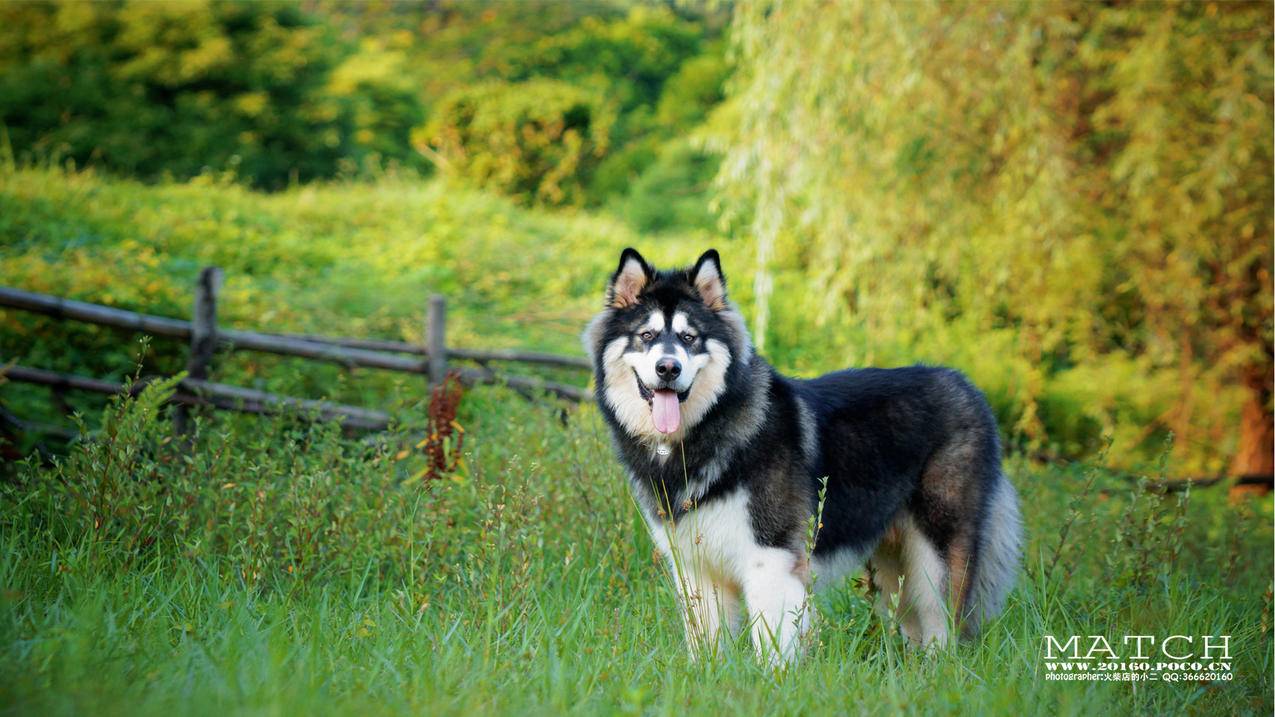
(665, 411)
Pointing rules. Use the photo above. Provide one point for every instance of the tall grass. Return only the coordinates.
(275, 567)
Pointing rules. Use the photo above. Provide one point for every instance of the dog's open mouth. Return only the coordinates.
(665, 405)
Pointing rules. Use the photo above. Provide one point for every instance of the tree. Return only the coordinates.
(1094, 178)
(1187, 116)
(537, 141)
(263, 90)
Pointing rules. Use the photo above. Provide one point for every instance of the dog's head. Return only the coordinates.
(664, 345)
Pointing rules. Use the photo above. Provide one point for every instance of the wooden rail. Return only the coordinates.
(477, 355)
(353, 352)
(60, 308)
(318, 348)
(205, 337)
(196, 392)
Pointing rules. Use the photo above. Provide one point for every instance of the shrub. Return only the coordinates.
(265, 92)
(673, 191)
(689, 95)
(618, 171)
(628, 58)
(537, 141)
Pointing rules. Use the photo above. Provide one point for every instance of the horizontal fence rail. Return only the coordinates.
(318, 348)
(477, 355)
(60, 308)
(205, 337)
(195, 392)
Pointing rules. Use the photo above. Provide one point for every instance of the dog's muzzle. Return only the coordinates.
(648, 394)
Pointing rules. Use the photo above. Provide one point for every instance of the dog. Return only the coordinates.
(731, 464)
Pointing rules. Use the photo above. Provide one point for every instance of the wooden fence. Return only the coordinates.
(206, 337)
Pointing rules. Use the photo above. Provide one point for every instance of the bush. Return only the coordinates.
(262, 91)
(621, 168)
(537, 141)
(649, 151)
(698, 86)
(672, 192)
(629, 59)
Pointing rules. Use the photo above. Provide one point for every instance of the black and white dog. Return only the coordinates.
(726, 458)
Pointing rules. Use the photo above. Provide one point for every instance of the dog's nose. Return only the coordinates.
(668, 368)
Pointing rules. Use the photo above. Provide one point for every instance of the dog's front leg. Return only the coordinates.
(710, 609)
(778, 610)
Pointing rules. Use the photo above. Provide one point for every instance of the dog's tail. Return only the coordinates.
(1000, 541)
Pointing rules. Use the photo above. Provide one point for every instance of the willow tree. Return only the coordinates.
(1095, 177)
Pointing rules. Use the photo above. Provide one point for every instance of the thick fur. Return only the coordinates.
(911, 457)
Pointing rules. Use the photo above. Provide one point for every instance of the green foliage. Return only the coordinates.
(657, 72)
(259, 90)
(673, 192)
(1093, 180)
(629, 177)
(698, 87)
(537, 141)
(628, 60)
(276, 93)
(663, 181)
(617, 172)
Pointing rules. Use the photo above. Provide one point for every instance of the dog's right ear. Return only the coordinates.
(629, 280)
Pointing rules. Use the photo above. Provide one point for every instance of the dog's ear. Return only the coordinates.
(629, 280)
(708, 280)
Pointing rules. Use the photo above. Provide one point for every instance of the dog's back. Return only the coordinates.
(912, 461)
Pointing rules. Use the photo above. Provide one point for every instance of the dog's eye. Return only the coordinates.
(688, 338)
(646, 335)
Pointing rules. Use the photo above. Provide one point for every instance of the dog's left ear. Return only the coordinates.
(708, 280)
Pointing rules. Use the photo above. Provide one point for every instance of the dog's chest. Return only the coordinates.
(716, 535)
(667, 482)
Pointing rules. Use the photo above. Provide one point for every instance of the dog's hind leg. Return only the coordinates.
(925, 588)
(911, 580)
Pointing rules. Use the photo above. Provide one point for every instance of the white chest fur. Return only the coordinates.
(716, 537)
(715, 560)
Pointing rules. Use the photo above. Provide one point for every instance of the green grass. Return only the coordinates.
(276, 567)
(527, 585)
(354, 258)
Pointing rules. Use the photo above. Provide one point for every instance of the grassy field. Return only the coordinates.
(275, 567)
(353, 260)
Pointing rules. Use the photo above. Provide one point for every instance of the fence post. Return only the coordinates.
(436, 333)
(203, 336)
